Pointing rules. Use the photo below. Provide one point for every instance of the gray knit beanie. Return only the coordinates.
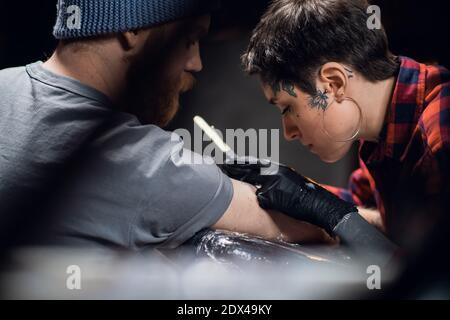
(87, 18)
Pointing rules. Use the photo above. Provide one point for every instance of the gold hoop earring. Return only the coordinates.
(359, 121)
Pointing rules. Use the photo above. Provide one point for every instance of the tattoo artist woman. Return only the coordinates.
(336, 82)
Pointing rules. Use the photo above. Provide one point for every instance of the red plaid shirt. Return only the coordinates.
(406, 173)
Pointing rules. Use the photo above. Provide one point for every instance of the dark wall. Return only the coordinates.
(25, 31)
(419, 29)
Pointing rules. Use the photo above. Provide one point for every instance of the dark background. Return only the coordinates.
(224, 96)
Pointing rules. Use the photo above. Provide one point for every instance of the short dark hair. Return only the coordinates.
(295, 37)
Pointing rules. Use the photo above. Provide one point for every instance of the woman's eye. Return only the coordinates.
(286, 110)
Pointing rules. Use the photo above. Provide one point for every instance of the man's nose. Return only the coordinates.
(290, 129)
(194, 63)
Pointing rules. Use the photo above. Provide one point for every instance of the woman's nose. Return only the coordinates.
(290, 129)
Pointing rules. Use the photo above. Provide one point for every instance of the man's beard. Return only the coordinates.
(154, 102)
(151, 94)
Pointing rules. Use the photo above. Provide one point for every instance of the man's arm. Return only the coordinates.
(244, 215)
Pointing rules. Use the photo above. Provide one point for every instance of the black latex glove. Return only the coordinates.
(281, 188)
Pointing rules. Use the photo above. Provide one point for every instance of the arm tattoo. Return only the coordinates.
(319, 100)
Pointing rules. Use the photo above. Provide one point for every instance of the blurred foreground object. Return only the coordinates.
(214, 265)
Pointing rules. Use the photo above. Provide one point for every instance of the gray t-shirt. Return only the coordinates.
(130, 191)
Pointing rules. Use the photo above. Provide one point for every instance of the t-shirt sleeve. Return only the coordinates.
(170, 192)
(185, 194)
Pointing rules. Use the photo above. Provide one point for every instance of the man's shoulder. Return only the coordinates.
(12, 72)
(10, 76)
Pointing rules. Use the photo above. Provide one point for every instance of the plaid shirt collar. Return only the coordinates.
(402, 116)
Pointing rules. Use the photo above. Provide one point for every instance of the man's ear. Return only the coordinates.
(133, 41)
(333, 75)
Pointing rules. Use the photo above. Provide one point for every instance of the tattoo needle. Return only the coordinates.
(214, 136)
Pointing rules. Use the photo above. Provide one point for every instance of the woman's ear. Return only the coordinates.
(334, 78)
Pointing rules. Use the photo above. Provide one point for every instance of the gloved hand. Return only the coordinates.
(283, 189)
